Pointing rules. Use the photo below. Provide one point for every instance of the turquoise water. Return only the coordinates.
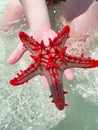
(28, 107)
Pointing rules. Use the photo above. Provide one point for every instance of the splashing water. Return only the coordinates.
(28, 107)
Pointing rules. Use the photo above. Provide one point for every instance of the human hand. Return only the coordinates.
(43, 34)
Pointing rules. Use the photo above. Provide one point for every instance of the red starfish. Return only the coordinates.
(51, 61)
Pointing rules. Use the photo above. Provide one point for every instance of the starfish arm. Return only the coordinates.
(62, 36)
(28, 42)
(25, 75)
(57, 94)
(80, 62)
(55, 81)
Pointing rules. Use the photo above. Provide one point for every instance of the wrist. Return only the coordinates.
(40, 28)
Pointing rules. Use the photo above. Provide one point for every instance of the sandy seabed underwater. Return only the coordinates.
(29, 107)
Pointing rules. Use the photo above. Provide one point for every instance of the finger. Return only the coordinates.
(45, 81)
(17, 54)
(69, 74)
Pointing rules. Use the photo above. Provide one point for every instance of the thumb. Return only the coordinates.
(17, 54)
(69, 74)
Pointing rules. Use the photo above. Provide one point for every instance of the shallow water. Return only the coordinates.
(29, 107)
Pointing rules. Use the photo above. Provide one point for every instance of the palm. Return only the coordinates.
(40, 35)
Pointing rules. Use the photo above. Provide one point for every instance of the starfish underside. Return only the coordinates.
(51, 61)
